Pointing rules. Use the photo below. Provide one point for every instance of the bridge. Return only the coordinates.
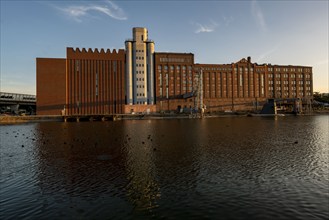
(15, 103)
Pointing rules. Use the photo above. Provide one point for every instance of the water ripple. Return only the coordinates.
(233, 168)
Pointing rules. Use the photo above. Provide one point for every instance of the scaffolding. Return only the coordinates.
(198, 91)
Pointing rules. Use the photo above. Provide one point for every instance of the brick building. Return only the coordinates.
(138, 80)
(237, 86)
(86, 82)
(51, 86)
(95, 82)
(173, 77)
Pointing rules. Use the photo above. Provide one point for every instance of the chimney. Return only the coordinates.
(249, 60)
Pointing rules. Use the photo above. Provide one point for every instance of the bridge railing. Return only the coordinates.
(5, 96)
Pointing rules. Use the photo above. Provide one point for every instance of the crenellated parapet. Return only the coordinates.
(91, 54)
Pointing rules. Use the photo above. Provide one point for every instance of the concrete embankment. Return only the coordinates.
(8, 119)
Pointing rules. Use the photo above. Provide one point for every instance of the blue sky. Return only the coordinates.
(277, 32)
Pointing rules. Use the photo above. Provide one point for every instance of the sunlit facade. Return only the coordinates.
(138, 79)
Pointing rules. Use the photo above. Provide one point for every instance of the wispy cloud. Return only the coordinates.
(266, 53)
(205, 28)
(257, 13)
(108, 8)
(228, 20)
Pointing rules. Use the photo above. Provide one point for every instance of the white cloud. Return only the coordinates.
(77, 12)
(205, 28)
(257, 13)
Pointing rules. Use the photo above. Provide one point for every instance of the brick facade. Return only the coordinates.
(51, 86)
(237, 86)
(95, 82)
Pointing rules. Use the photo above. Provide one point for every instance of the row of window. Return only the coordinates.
(172, 67)
(270, 75)
(175, 60)
(292, 88)
(139, 58)
(246, 69)
(240, 79)
(278, 75)
(292, 82)
(216, 68)
(292, 69)
(293, 94)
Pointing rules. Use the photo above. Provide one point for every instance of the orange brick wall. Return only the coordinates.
(95, 82)
(50, 86)
(139, 108)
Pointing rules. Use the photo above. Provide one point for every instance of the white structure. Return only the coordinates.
(139, 68)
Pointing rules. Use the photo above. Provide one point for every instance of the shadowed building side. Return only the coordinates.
(95, 82)
(50, 86)
(242, 85)
(174, 78)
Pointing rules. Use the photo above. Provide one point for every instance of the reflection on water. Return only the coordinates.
(259, 168)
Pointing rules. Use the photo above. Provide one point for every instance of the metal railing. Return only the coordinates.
(5, 96)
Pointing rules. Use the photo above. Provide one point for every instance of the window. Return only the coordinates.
(77, 65)
(96, 84)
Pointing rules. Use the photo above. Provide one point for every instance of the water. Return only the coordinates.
(219, 168)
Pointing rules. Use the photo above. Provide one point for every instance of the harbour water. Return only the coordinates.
(214, 168)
